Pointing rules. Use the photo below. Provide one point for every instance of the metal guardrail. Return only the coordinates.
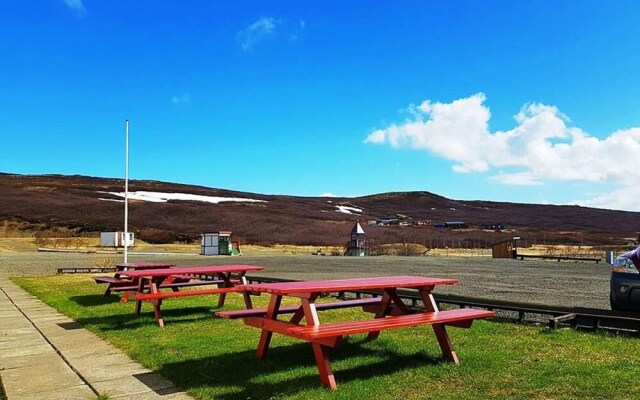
(559, 258)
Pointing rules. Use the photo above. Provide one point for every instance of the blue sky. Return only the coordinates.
(533, 102)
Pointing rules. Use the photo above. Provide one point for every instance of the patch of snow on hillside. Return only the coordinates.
(116, 200)
(348, 210)
(160, 197)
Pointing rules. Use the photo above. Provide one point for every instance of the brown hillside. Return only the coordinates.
(51, 203)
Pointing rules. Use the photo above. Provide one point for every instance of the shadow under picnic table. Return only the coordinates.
(240, 375)
(131, 320)
(88, 300)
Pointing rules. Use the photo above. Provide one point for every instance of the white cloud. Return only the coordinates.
(76, 5)
(184, 98)
(625, 198)
(542, 146)
(328, 194)
(517, 179)
(257, 32)
(298, 30)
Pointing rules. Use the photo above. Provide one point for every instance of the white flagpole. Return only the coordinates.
(126, 191)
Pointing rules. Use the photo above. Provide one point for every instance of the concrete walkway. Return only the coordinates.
(45, 355)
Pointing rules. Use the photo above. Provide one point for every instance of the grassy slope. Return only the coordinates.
(214, 358)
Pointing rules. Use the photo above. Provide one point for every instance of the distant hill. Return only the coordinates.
(58, 204)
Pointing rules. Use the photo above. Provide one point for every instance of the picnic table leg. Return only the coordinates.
(324, 366)
(265, 336)
(110, 286)
(108, 291)
(300, 312)
(448, 351)
(127, 293)
(382, 311)
(221, 299)
(226, 278)
(157, 313)
(247, 296)
(153, 288)
(319, 351)
(140, 290)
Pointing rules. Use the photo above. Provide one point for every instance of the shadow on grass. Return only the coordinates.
(288, 369)
(89, 300)
(133, 321)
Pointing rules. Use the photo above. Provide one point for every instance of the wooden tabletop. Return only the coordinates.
(204, 270)
(336, 285)
(144, 265)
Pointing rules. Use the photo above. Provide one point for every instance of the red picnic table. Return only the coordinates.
(227, 278)
(118, 283)
(389, 310)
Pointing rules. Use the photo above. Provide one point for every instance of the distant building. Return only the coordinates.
(357, 243)
(218, 243)
(499, 226)
(388, 220)
(116, 239)
(455, 225)
(505, 249)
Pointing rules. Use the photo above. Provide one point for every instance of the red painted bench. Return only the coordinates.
(126, 285)
(390, 313)
(461, 318)
(261, 312)
(111, 279)
(156, 279)
(330, 334)
(184, 293)
(169, 285)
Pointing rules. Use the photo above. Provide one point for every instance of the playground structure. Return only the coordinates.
(357, 245)
(219, 243)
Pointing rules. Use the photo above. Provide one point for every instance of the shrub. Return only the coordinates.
(152, 235)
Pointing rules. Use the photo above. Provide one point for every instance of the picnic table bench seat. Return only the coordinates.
(331, 334)
(462, 318)
(261, 312)
(126, 285)
(185, 293)
(111, 279)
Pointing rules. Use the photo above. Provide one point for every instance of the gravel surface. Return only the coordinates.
(570, 284)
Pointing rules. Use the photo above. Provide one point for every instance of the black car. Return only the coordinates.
(625, 282)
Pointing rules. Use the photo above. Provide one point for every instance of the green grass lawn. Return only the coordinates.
(214, 358)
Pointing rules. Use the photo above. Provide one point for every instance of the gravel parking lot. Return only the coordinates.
(571, 284)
